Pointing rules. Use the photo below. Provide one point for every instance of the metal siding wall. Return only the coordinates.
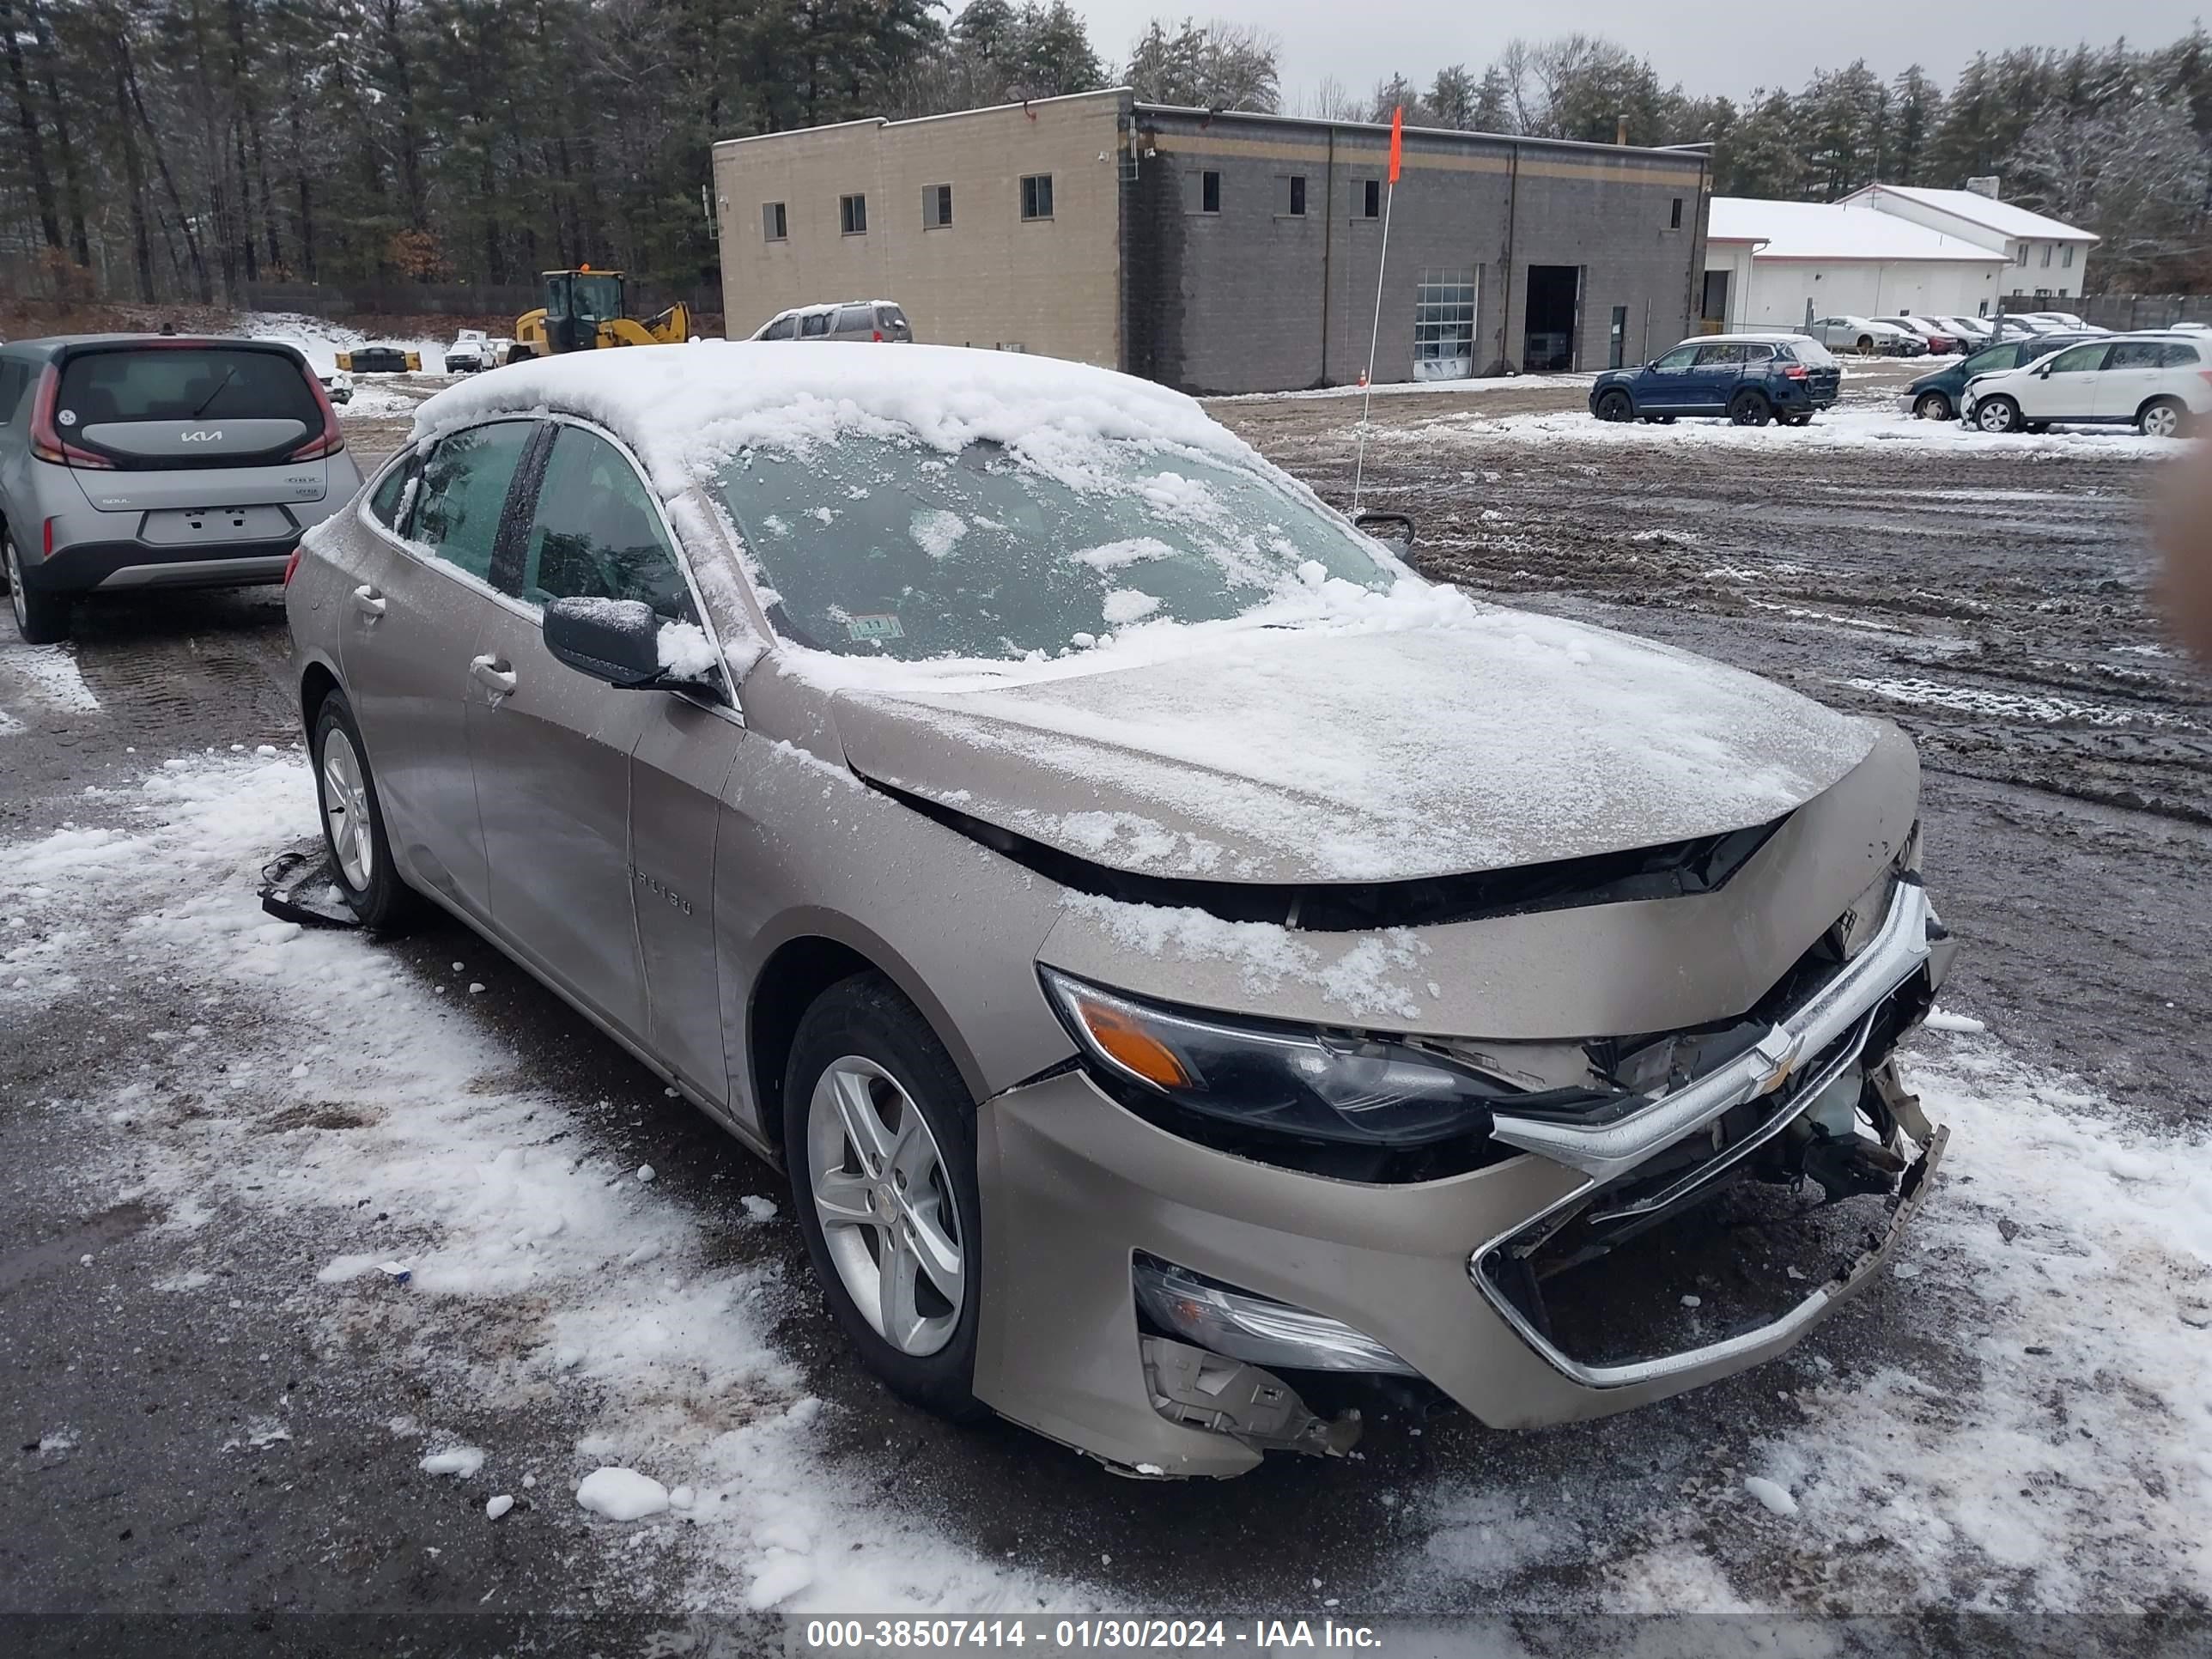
(1238, 306)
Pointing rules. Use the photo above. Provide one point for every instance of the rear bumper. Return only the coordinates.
(118, 566)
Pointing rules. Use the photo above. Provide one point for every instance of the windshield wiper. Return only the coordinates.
(228, 375)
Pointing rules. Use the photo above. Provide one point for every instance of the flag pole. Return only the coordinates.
(1375, 331)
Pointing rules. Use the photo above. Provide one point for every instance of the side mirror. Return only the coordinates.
(617, 640)
(1396, 528)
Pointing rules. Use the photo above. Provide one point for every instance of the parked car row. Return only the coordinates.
(2157, 383)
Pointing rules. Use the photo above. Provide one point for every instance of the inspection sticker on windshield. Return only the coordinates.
(874, 628)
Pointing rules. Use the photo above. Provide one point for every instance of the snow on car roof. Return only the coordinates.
(686, 409)
(1830, 230)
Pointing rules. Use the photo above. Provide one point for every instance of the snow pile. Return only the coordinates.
(320, 340)
(686, 409)
(621, 1494)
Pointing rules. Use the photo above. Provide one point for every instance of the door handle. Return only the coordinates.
(368, 601)
(491, 672)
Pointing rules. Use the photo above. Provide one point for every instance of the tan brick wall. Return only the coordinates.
(989, 278)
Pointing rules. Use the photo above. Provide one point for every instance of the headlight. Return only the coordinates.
(1310, 1083)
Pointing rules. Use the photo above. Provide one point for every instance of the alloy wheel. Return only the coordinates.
(2162, 421)
(345, 812)
(16, 599)
(886, 1206)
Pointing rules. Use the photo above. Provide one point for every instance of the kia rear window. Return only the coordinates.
(184, 383)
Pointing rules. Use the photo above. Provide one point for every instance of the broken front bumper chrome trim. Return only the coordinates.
(1746, 1346)
(1604, 1151)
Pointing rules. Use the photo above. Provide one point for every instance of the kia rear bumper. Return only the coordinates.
(117, 566)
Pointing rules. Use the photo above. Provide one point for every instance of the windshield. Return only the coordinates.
(883, 547)
(593, 298)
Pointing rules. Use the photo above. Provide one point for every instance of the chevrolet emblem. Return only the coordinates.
(1779, 1051)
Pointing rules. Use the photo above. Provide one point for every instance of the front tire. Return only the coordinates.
(1998, 414)
(1932, 406)
(1750, 409)
(40, 618)
(1616, 405)
(879, 1141)
(2163, 418)
(353, 820)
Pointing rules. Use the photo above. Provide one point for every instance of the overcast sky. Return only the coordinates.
(1708, 45)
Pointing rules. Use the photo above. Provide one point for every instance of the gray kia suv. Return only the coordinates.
(134, 461)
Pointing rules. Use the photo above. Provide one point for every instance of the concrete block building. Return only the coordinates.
(1221, 252)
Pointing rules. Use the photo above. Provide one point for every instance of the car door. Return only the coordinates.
(2065, 387)
(1713, 377)
(2131, 377)
(550, 746)
(408, 632)
(1664, 387)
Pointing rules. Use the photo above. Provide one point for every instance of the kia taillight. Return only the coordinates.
(876, 336)
(46, 443)
(292, 565)
(332, 438)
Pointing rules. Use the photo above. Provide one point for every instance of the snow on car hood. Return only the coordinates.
(1285, 756)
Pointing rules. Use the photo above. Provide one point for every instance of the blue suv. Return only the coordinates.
(1749, 379)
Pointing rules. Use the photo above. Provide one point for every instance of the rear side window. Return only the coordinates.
(855, 320)
(2175, 355)
(191, 383)
(814, 324)
(1727, 352)
(1758, 354)
(14, 377)
(2136, 354)
(394, 495)
(596, 535)
(464, 488)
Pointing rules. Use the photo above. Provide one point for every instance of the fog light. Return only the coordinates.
(1242, 1326)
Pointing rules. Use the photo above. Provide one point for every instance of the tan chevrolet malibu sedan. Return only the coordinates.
(1189, 966)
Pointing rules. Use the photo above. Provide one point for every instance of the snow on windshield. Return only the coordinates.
(880, 548)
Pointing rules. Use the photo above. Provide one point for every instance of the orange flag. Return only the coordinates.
(1397, 139)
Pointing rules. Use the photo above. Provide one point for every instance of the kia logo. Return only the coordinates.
(214, 437)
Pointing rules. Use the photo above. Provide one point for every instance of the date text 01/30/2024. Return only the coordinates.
(1049, 1635)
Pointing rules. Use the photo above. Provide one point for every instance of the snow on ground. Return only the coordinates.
(1871, 425)
(46, 675)
(2027, 1423)
(1402, 388)
(537, 1268)
(323, 339)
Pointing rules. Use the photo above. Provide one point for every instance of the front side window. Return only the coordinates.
(595, 533)
(1037, 196)
(463, 494)
(884, 547)
(936, 206)
(852, 215)
(782, 329)
(773, 226)
(1680, 357)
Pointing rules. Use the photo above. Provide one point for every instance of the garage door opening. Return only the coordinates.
(1554, 308)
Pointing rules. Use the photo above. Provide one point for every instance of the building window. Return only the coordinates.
(2066, 259)
(1675, 216)
(2021, 259)
(1298, 196)
(1371, 199)
(936, 206)
(1209, 192)
(773, 227)
(1037, 196)
(852, 215)
(2046, 256)
(1444, 325)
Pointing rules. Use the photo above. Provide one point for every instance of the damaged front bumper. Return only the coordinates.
(1441, 1277)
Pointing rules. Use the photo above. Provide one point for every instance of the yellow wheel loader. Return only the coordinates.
(584, 310)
